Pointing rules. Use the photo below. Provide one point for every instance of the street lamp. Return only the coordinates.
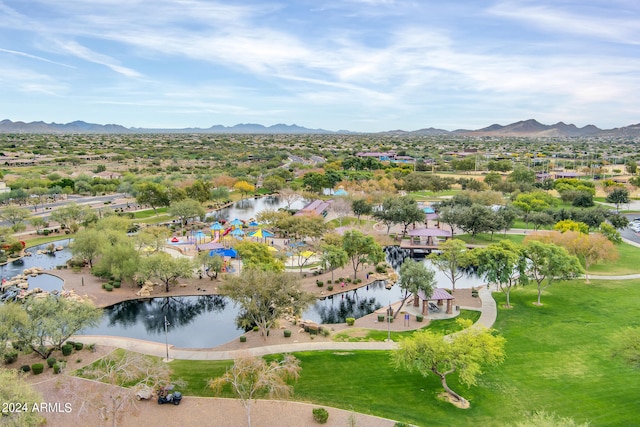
(166, 335)
(389, 322)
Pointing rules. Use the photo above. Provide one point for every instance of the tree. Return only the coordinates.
(504, 264)
(452, 259)
(264, 297)
(152, 194)
(289, 196)
(415, 277)
(388, 212)
(212, 264)
(333, 257)
(165, 268)
(522, 175)
(199, 191)
(341, 207)
(38, 223)
(314, 181)
(72, 215)
(14, 389)
(550, 262)
(258, 255)
(273, 183)
(465, 353)
(399, 210)
(87, 244)
(16, 216)
(618, 196)
(118, 257)
(610, 232)
(360, 249)
(13, 319)
(361, 207)
(185, 210)
(253, 377)
(154, 237)
(52, 320)
(589, 248)
(478, 219)
(570, 225)
(244, 188)
(123, 369)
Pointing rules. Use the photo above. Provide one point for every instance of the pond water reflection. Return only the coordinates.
(250, 208)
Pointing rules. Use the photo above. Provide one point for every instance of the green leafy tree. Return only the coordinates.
(257, 255)
(16, 216)
(38, 223)
(185, 210)
(13, 319)
(199, 191)
(360, 249)
(452, 259)
(15, 389)
(253, 377)
(212, 264)
(547, 261)
(53, 320)
(504, 264)
(265, 296)
(166, 268)
(618, 196)
(88, 244)
(244, 187)
(152, 194)
(333, 257)
(154, 237)
(361, 207)
(73, 216)
(464, 353)
(415, 277)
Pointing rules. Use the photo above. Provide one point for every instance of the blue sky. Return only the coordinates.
(361, 65)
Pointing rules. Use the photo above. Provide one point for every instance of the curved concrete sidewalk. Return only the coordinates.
(487, 319)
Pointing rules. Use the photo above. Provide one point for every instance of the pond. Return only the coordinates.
(250, 208)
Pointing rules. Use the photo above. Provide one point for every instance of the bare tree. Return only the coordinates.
(341, 207)
(119, 368)
(252, 377)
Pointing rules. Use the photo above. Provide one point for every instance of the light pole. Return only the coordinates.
(166, 336)
(389, 322)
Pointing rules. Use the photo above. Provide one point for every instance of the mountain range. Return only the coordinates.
(527, 128)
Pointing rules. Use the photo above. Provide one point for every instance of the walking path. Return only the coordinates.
(487, 319)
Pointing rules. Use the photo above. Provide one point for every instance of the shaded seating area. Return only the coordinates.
(428, 236)
(439, 296)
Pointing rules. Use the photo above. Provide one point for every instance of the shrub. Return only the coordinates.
(419, 317)
(78, 346)
(10, 357)
(46, 232)
(287, 333)
(104, 285)
(51, 361)
(358, 281)
(325, 332)
(256, 329)
(57, 367)
(328, 281)
(320, 415)
(108, 287)
(381, 268)
(67, 349)
(320, 283)
(25, 368)
(92, 347)
(390, 319)
(243, 338)
(348, 279)
(117, 284)
(350, 321)
(330, 288)
(37, 368)
(380, 317)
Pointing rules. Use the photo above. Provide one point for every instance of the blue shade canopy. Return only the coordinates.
(253, 224)
(236, 222)
(216, 226)
(224, 252)
(237, 232)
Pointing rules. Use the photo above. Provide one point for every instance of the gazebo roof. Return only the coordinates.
(430, 232)
(437, 294)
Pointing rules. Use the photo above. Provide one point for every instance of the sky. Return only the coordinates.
(359, 65)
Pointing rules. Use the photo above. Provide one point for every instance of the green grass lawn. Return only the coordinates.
(47, 239)
(487, 239)
(446, 326)
(558, 360)
(628, 262)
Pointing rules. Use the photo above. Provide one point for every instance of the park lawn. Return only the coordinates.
(558, 360)
(148, 213)
(445, 326)
(350, 220)
(487, 239)
(47, 239)
(628, 262)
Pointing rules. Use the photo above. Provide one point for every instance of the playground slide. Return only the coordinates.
(227, 231)
(216, 237)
